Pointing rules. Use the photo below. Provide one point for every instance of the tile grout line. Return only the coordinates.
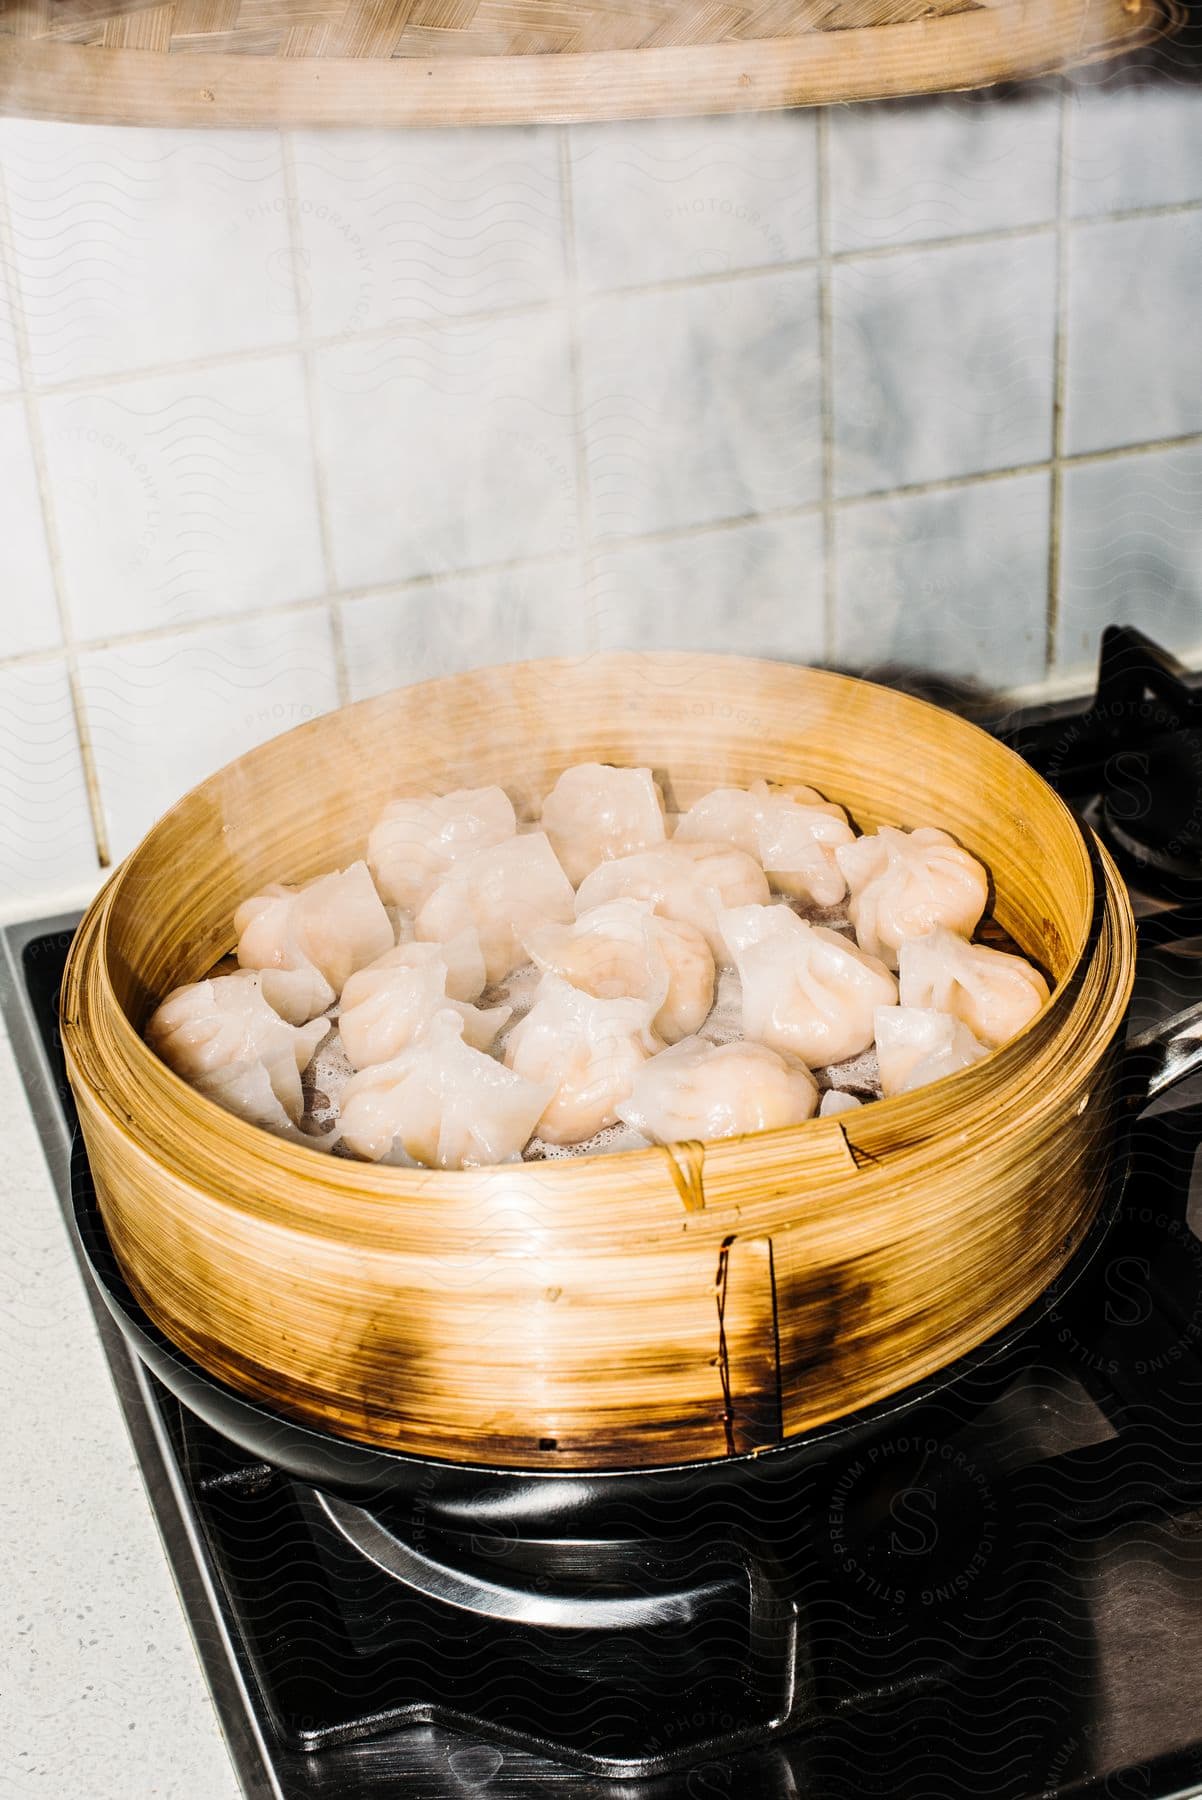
(667, 535)
(304, 323)
(826, 372)
(584, 506)
(33, 425)
(1059, 387)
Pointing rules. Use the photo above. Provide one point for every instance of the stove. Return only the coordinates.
(994, 1589)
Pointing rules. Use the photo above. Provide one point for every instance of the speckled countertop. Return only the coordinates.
(101, 1693)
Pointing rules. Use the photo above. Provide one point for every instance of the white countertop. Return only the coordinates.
(101, 1694)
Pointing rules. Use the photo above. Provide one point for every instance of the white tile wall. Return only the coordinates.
(448, 448)
(1134, 348)
(165, 712)
(1132, 551)
(31, 619)
(426, 225)
(184, 496)
(943, 362)
(679, 199)
(702, 403)
(135, 248)
(441, 627)
(322, 412)
(903, 172)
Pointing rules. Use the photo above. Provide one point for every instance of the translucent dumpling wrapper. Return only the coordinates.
(596, 813)
(587, 1050)
(306, 941)
(417, 839)
(385, 1006)
(915, 1046)
(807, 990)
(501, 893)
(792, 831)
(623, 949)
(223, 1037)
(906, 883)
(993, 992)
(702, 1090)
(440, 1105)
(835, 1101)
(691, 881)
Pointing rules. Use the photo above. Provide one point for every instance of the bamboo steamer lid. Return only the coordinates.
(378, 62)
(625, 1310)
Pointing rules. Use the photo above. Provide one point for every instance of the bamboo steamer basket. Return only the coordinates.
(430, 62)
(635, 1309)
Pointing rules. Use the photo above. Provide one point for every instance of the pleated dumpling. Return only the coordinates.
(416, 840)
(440, 1105)
(993, 992)
(791, 831)
(386, 1006)
(306, 941)
(623, 949)
(587, 1050)
(501, 893)
(703, 1090)
(223, 1037)
(905, 883)
(915, 1045)
(807, 991)
(596, 812)
(690, 881)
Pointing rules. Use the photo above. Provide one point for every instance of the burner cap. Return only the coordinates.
(1153, 802)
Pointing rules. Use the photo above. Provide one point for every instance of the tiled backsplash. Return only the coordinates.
(287, 420)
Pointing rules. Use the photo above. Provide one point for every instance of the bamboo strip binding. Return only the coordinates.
(633, 1309)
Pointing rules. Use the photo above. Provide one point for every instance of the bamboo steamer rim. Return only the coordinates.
(182, 1128)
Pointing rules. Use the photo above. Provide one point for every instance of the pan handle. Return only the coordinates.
(1164, 1055)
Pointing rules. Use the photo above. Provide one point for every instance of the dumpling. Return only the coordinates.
(835, 1101)
(905, 883)
(386, 1005)
(440, 1104)
(792, 831)
(596, 812)
(806, 990)
(915, 1046)
(624, 949)
(703, 1090)
(994, 993)
(414, 841)
(225, 1039)
(587, 1050)
(690, 881)
(501, 893)
(306, 941)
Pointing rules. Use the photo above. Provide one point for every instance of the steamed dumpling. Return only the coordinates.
(225, 1039)
(703, 1090)
(385, 1006)
(915, 1046)
(501, 893)
(690, 881)
(306, 941)
(416, 840)
(595, 813)
(905, 883)
(587, 1050)
(792, 831)
(440, 1104)
(624, 949)
(993, 992)
(806, 990)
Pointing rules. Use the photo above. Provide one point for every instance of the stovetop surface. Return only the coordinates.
(999, 1593)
